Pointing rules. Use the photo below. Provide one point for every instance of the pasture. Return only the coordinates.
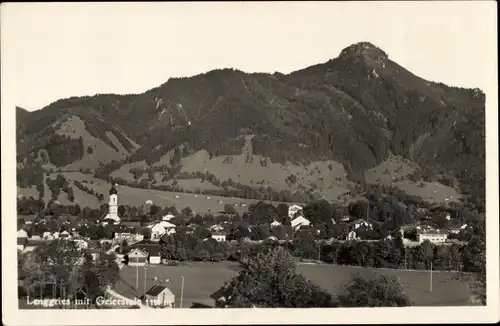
(135, 196)
(202, 279)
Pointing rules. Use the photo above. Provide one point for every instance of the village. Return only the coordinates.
(137, 243)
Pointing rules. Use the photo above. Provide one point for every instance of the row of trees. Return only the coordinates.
(68, 270)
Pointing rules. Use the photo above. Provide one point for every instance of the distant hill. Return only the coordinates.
(320, 126)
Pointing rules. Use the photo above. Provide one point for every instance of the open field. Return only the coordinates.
(327, 177)
(394, 171)
(202, 279)
(136, 196)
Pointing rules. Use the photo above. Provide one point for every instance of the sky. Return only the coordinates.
(52, 51)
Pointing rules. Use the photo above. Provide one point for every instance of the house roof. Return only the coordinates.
(154, 251)
(22, 233)
(138, 250)
(131, 224)
(431, 231)
(220, 293)
(360, 220)
(218, 233)
(166, 224)
(156, 289)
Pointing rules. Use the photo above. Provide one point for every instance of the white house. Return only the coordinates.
(345, 218)
(434, 236)
(219, 236)
(154, 255)
(351, 236)
(275, 223)
(81, 244)
(65, 234)
(167, 217)
(160, 296)
(361, 223)
(160, 229)
(299, 221)
(129, 237)
(22, 234)
(294, 209)
(137, 257)
(113, 207)
(216, 227)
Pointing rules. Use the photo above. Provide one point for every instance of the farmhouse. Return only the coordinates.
(299, 221)
(360, 223)
(155, 255)
(294, 209)
(129, 237)
(137, 257)
(456, 230)
(22, 234)
(219, 236)
(216, 227)
(81, 244)
(220, 296)
(160, 296)
(161, 228)
(167, 217)
(275, 223)
(434, 236)
(351, 236)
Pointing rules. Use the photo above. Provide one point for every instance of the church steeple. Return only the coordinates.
(113, 190)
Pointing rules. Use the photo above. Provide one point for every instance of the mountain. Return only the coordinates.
(352, 113)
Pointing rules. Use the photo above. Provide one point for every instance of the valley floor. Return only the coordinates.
(204, 278)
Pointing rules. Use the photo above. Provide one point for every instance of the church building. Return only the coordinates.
(113, 206)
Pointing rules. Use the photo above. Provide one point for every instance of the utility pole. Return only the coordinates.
(182, 290)
(319, 251)
(431, 278)
(137, 277)
(145, 271)
(405, 259)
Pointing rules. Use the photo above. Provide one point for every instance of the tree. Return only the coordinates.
(318, 211)
(121, 210)
(377, 290)
(154, 210)
(146, 232)
(282, 212)
(20, 222)
(474, 260)
(426, 253)
(229, 209)
(71, 195)
(187, 212)
(270, 280)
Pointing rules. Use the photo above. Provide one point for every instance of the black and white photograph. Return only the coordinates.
(169, 157)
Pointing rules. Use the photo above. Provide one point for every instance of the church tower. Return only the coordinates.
(113, 205)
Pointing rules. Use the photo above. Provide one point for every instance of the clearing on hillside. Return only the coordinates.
(137, 196)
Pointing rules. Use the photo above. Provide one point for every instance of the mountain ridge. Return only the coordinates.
(356, 109)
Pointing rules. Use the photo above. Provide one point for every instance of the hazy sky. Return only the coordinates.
(52, 51)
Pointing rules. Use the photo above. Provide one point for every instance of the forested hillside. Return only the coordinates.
(356, 109)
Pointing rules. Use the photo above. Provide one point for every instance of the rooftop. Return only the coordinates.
(157, 289)
(431, 231)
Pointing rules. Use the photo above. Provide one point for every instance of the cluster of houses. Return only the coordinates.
(218, 231)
